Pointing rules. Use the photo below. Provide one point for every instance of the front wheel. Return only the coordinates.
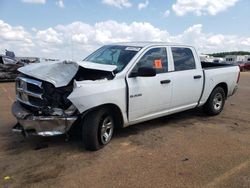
(215, 102)
(97, 128)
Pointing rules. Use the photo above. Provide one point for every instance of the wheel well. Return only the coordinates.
(76, 127)
(223, 85)
(117, 113)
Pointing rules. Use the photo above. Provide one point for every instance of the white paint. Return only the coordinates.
(147, 97)
(155, 99)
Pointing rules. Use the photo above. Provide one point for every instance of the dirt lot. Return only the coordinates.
(184, 150)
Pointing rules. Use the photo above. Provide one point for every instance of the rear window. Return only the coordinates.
(183, 58)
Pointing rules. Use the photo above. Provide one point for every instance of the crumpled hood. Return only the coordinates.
(61, 73)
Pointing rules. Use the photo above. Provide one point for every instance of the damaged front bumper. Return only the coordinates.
(29, 124)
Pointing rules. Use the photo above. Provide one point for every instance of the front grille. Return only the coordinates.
(29, 92)
(34, 88)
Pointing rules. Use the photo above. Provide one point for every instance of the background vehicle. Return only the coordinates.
(117, 86)
(9, 64)
(244, 66)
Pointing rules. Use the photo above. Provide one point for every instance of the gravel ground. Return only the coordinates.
(188, 149)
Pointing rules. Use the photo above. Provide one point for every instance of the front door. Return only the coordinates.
(150, 96)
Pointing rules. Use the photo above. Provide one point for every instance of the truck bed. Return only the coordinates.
(215, 73)
(208, 65)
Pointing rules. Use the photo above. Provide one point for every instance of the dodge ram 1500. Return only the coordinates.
(116, 86)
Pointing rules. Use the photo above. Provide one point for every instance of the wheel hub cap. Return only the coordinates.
(217, 102)
(107, 129)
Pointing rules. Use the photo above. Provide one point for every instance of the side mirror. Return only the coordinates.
(146, 72)
(143, 72)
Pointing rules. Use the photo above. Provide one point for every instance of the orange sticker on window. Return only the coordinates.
(158, 64)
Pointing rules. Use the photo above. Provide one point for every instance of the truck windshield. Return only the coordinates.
(114, 55)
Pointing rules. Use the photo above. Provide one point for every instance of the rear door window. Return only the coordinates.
(183, 58)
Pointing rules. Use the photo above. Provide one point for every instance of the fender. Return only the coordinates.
(90, 94)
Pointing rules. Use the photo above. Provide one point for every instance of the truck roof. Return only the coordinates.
(148, 44)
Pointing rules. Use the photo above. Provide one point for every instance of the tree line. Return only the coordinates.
(223, 54)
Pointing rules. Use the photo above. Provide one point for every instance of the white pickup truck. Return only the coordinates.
(116, 86)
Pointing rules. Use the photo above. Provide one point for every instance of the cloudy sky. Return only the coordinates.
(70, 29)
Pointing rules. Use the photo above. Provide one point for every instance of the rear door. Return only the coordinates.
(187, 78)
(150, 96)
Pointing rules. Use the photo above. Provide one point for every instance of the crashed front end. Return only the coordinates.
(41, 108)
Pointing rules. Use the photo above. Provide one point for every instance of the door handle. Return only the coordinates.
(197, 76)
(165, 81)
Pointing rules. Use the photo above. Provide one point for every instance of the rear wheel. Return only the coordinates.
(215, 102)
(97, 128)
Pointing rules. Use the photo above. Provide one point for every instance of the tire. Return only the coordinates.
(215, 102)
(97, 128)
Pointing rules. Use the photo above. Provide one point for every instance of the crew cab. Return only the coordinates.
(116, 86)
